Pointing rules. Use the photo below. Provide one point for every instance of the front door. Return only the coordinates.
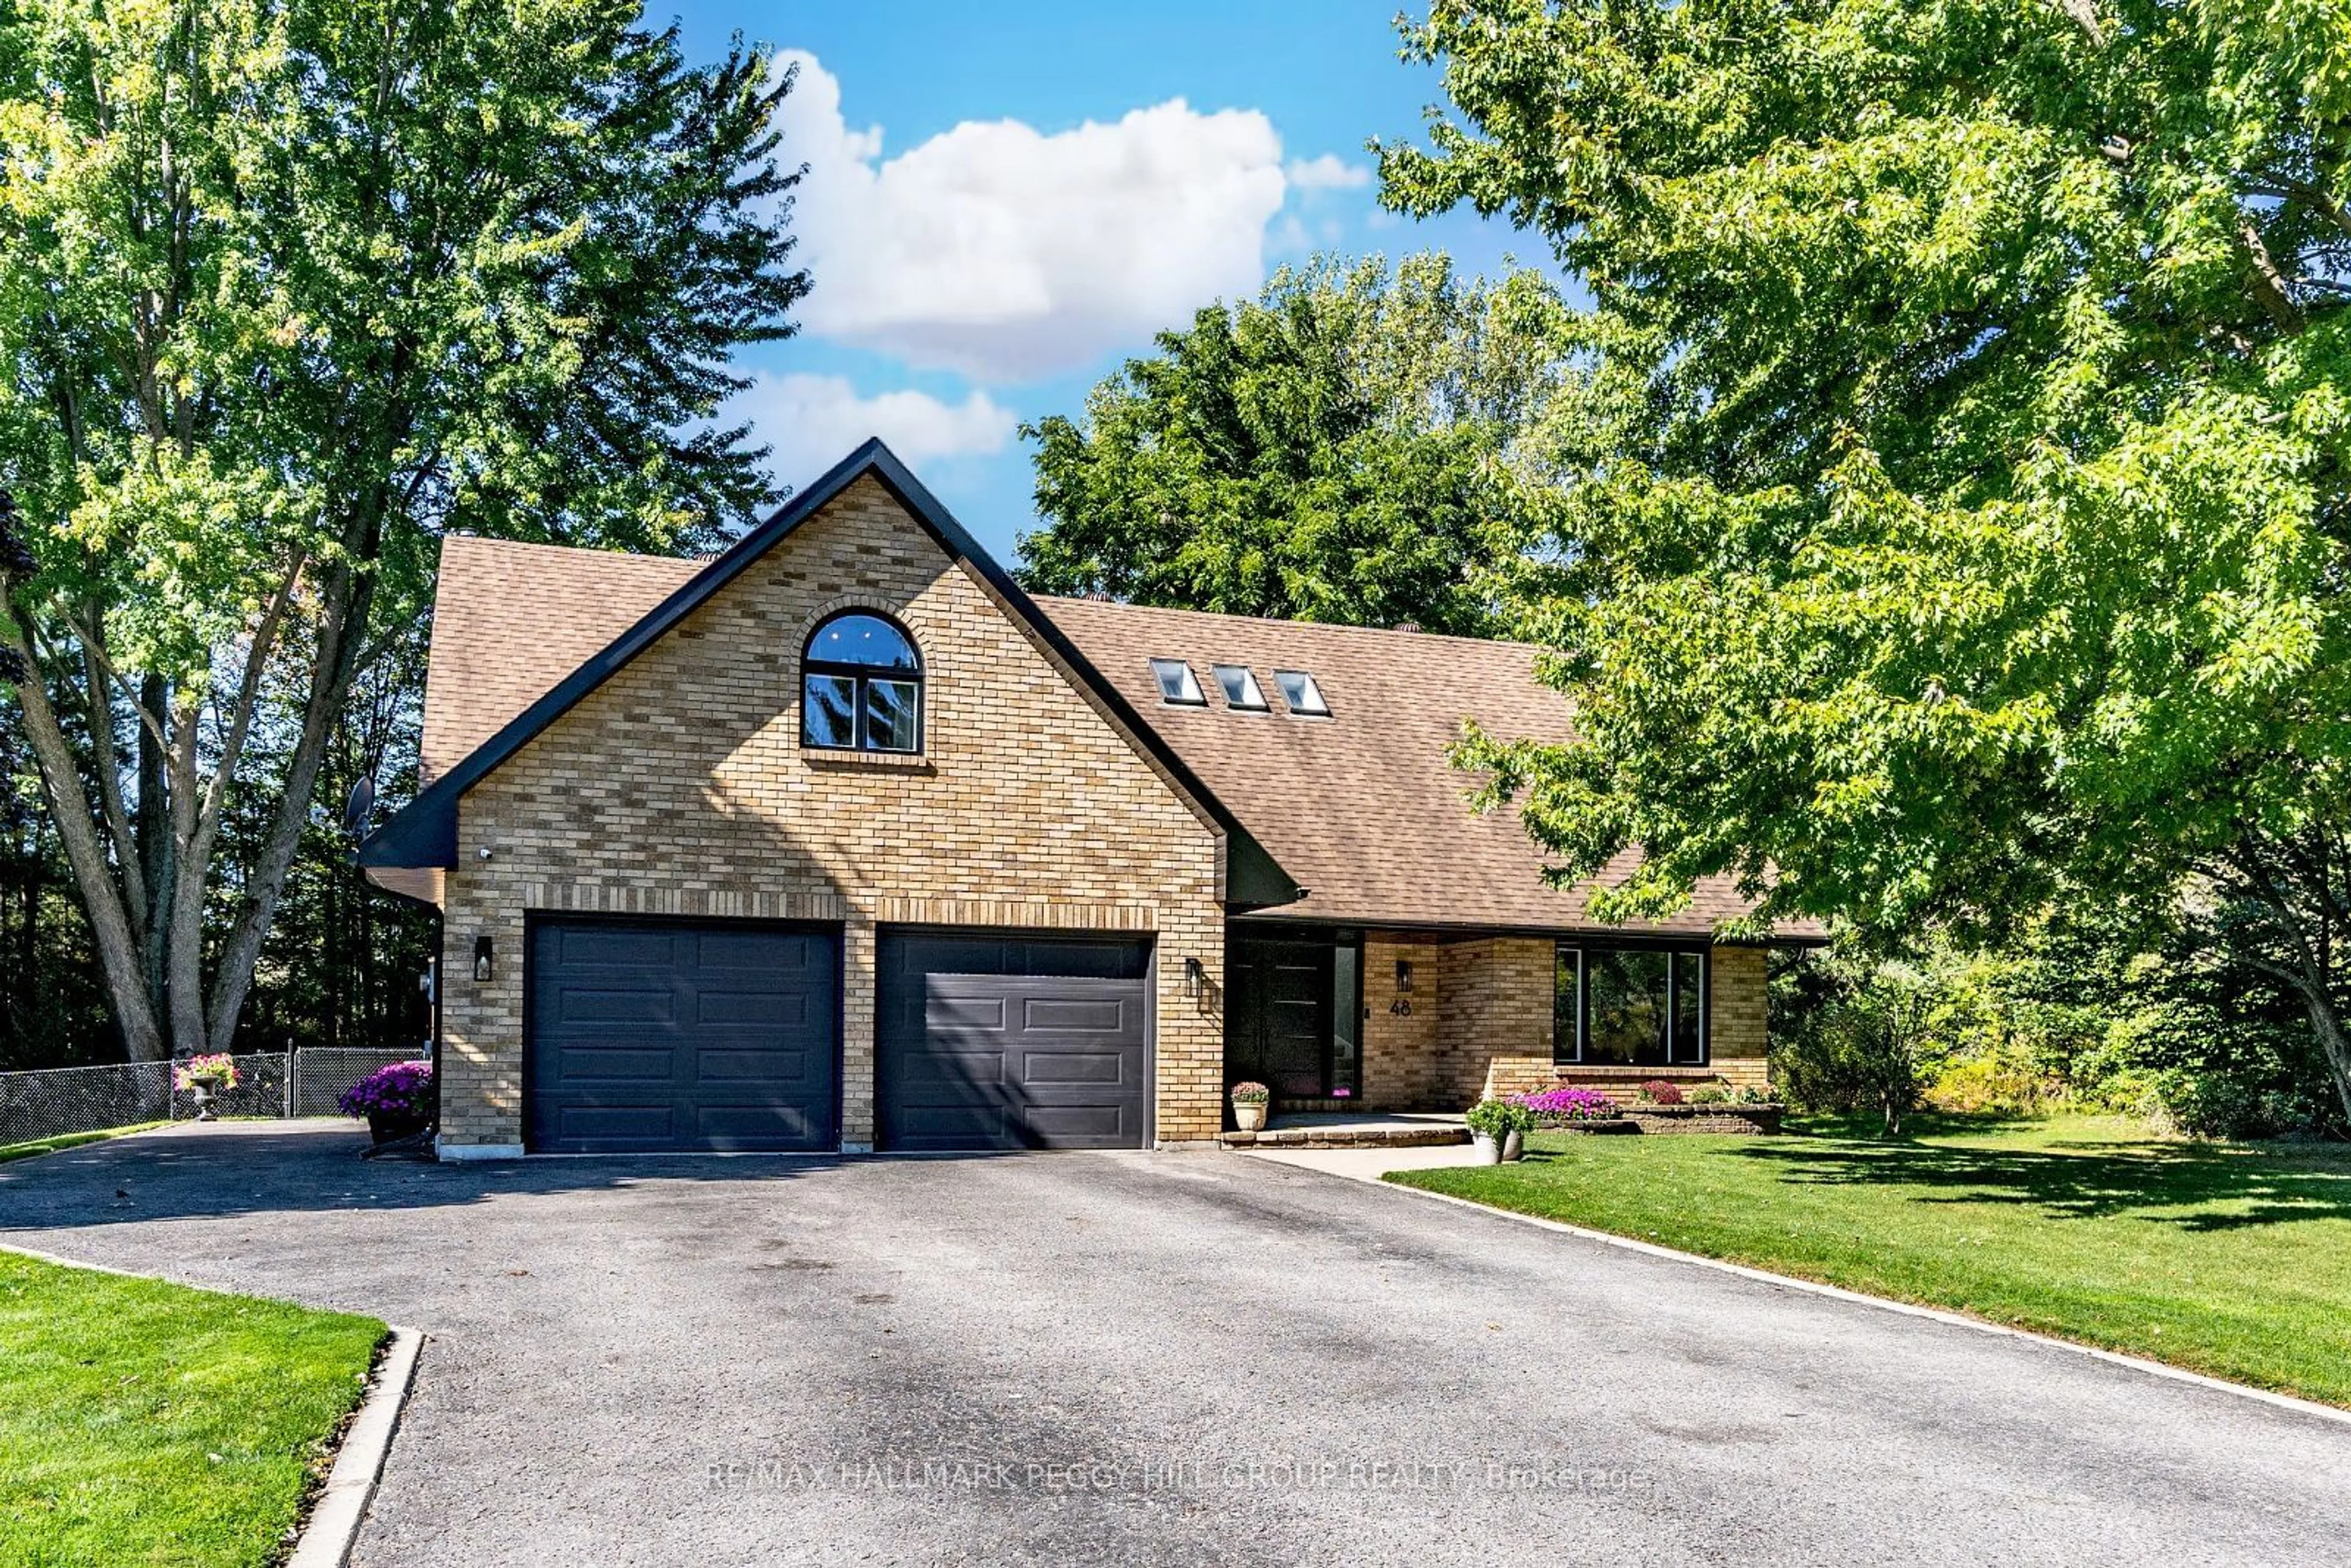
(1279, 1022)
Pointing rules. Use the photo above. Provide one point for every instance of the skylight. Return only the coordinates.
(1241, 690)
(1299, 690)
(1177, 683)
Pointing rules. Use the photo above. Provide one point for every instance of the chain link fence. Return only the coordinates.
(322, 1073)
(64, 1100)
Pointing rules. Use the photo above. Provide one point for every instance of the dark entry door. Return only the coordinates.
(648, 1036)
(1278, 1021)
(1003, 1041)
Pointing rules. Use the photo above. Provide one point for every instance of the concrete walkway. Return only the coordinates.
(1368, 1163)
(1151, 1359)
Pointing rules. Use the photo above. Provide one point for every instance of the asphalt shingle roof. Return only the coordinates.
(1362, 808)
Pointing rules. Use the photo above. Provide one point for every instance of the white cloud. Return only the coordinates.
(1006, 254)
(1328, 172)
(813, 421)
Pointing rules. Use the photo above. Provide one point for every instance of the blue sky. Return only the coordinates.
(1006, 201)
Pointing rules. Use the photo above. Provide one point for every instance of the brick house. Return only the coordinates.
(839, 840)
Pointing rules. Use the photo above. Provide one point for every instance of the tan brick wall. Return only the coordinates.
(1399, 1047)
(1740, 1010)
(679, 787)
(1484, 1026)
(1495, 1007)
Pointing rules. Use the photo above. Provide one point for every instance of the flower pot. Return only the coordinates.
(1249, 1117)
(385, 1126)
(205, 1089)
(1488, 1151)
(1514, 1145)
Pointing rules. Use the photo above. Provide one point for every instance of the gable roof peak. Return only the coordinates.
(424, 833)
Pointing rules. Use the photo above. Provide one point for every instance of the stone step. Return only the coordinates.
(1347, 1138)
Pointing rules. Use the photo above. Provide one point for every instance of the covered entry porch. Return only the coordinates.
(1354, 1020)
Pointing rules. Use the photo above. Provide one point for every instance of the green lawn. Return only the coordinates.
(146, 1423)
(66, 1141)
(2232, 1260)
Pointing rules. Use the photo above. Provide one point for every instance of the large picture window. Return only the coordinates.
(861, 686)
(1631, 1006)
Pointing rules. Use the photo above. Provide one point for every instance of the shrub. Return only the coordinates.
(1874, 1037)
(2215, 1105)
(1249, 1093)
(1499, 1118)
(1710, 1095)
(1557, 1107)
(1657, 1091)
(405, 1089)
(219, 1065)
(2000, 1080)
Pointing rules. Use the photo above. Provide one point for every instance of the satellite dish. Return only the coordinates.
(356, 809)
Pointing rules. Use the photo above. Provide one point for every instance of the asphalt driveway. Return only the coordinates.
(1178, 1359)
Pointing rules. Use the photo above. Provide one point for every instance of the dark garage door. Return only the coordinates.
(1003, 1041)
(649, 1036)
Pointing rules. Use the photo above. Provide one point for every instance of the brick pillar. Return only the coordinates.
(1191, 1029)
(1740, 1009)
(857, 994)
(481, 1020)
(1399, 1040)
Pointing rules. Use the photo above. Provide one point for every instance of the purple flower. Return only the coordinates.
(404, 1089)
(1570, 1105)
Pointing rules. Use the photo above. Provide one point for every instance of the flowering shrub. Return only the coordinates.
(1657, 1091)
(1250, 1093)
(1552, 1107)
(218, 1066)
(1500, 1118)
(402, 1090)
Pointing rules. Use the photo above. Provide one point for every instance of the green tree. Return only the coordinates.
(287, 289)
(1331, 451)
(1876, 1039)
(1954, 499)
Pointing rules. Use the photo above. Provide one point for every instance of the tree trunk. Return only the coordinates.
(2326, 1022)
(2297, 886)
(28, 942)
(120, 961)
(342, 619)
(153, 828)
(183, 917)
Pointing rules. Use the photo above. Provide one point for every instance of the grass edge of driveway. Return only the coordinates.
(2189, 1274)
(32, 1147)
(150, 1422)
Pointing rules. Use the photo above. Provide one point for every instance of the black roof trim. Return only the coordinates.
(424, 831)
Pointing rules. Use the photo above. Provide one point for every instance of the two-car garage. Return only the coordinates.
(647, 1036)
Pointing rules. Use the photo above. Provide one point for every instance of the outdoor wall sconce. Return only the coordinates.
(481, 956)
(1403, 976)
(1195, 979)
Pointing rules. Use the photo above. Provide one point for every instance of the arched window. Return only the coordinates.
(861, 686)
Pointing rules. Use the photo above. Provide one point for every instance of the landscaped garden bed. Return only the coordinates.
(1728, 1117)
(1656, 1106)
